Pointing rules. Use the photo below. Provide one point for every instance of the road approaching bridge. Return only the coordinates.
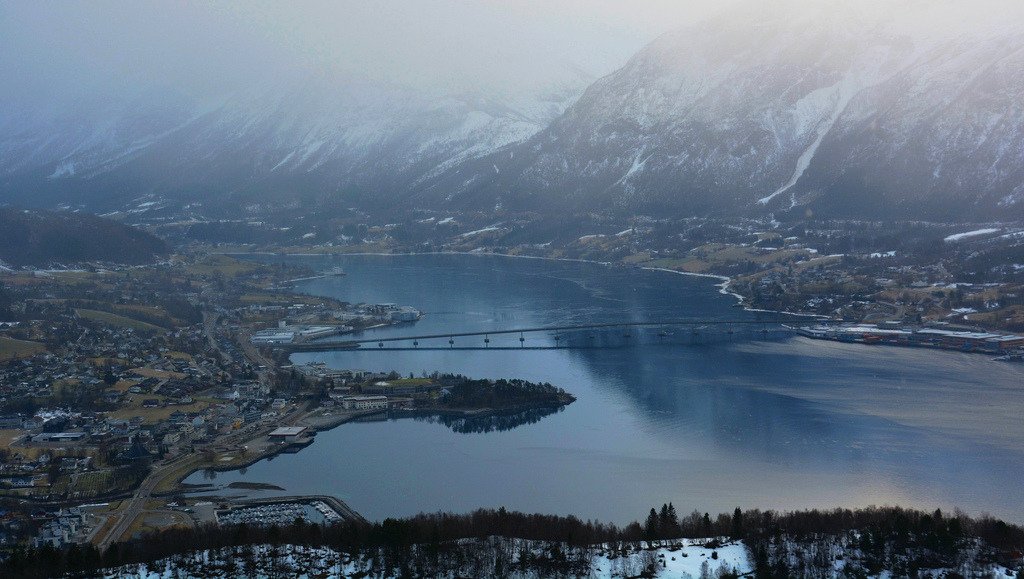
(390, 343)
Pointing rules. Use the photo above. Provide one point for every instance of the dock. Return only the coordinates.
(341, 507)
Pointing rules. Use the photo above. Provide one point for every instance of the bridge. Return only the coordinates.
(571, 336)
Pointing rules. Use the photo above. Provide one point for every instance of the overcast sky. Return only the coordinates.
(52, 47)
(63, 49)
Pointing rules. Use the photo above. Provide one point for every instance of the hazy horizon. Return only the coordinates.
(58, 53)
(49, 50)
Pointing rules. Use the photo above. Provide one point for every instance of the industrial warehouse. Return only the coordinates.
(962, 340)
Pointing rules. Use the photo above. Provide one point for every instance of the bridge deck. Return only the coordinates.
(320, 346)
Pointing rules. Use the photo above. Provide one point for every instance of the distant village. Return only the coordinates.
(110, 375)
(117, 383)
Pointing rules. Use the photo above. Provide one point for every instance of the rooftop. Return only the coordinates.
(288, 431)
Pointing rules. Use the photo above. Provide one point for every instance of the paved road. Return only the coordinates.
(133, 507)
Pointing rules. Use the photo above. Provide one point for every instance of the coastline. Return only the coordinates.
(178, 486)
(723, 286)
(327, 423)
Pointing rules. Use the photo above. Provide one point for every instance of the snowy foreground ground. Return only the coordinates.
(692, 559)
(683, 559)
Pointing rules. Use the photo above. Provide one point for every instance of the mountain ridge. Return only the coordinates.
(793, 120)
(767, 111)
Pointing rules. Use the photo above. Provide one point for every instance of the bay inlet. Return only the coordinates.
(708, 421)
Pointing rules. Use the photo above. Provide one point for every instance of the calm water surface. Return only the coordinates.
(789, 423)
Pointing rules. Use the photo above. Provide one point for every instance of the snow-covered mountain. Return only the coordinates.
(840, 109)
(830, 111)
(318, 136)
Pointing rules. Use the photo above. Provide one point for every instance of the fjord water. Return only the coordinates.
(732, 421)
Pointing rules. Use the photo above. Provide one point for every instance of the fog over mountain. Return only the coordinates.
(844, 112)
(868, 109)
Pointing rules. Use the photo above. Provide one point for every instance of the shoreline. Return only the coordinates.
(328, 424)
(723, 287)
(178, 487)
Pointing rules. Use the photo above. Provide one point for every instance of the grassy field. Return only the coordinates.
(712, 256)
(154, 415)
(118, 320)
(410, 382)
(123, 385)
(637, 258)
(157, 314)
(7, 437)
(124, 310)
(221, 265)
(154, 520)
(279, 299)
(11, 349)
(158, 374)
(1009, 317)
(688, 264)
(180, 356)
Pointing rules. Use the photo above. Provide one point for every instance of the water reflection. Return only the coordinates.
(709, 421)
(491, 422)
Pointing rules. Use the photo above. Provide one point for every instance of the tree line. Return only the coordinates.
(884, 537)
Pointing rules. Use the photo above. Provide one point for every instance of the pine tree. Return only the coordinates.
(664, 526)
(652, 525)
(737, 524)
(674, 529)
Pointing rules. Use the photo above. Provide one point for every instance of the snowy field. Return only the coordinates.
(686, 559)
(680, 559)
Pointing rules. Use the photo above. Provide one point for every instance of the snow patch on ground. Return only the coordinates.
(66, 169)
(689, 559)
(836, 94)
(479, 231)
(969, 234)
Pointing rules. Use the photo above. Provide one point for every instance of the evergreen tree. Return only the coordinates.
(664, 526)
(652, 526)
(737, 524)
(674, 529)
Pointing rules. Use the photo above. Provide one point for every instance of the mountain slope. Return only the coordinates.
(851, 110)
(41, 238)
(776, 112)
(306, 137)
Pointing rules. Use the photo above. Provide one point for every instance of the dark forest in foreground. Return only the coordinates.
(803, 543)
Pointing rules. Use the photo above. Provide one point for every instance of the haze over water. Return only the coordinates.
(781, 424)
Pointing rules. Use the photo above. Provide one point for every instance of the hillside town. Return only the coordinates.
(113, 375)
(118, 382)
